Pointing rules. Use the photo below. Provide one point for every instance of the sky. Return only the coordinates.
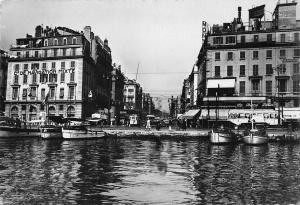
(159, 38)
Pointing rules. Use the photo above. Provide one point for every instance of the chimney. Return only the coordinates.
(239, 14)
(87, 32)
(38, 31)
(106, 43)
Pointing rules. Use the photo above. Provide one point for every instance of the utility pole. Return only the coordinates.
(137, 71)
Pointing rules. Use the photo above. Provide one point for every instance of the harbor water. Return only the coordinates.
(131, 171)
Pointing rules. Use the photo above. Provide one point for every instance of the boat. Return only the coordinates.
(81, 132)
(53, 128)
(222, 135)
(256, 135)
(51, 131)
(12, 128)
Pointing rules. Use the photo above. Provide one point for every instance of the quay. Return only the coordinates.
(274, 135)
(163, 133)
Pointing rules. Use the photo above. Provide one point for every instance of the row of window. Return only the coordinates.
(255, 54)
(44, 78)
(255, 38)
(269, 70)
(44, 65)
(32, 93)
(33, 111)
(64, 41)
(48, 53)
(255, 86)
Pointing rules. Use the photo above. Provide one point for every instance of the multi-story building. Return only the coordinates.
(258, 62)
(117, 104)
(132, 97)
(193, 83)
(185, 96)
(58, 72)
(147, 104)
(3, 76)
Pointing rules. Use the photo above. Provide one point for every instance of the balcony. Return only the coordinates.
(60, 54)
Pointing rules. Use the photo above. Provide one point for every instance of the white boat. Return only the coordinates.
(255, 137)
(221, 135)
(81, 132)
(11, 131)
(50, 132)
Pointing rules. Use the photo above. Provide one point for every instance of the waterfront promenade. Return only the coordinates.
(175, 132)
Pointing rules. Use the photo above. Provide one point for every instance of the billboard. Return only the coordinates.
(257, 12)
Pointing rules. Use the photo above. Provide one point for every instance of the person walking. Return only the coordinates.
(148, 125)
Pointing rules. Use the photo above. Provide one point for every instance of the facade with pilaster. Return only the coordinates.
(62, 64)
(259, 62)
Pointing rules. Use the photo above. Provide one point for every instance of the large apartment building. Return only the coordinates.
(55, 71)
(132, 97)
(3, 78)
(258, 61)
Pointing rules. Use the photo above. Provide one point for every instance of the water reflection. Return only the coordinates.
(147, 172)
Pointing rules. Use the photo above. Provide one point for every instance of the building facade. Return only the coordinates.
(117, 104)
(132, 97)
(3, 78)
(258, 63)
(185, 96)
(54, 72)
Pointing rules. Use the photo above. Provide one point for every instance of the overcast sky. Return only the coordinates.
(162, 36)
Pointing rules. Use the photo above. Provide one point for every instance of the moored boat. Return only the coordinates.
(50, 132)
(255, 137)
(11, 131)
(81, 132)
(221, 135)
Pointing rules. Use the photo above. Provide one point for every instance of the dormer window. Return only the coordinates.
(46, 42)
(55, 42)
(65, 41)
(74, 40)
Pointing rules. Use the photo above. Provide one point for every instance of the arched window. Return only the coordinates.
(65, 41)
(74, 40)
(14, 112)
(71, 111)
(55, 42)
(51, 110)
(46, 42)
(32, 113)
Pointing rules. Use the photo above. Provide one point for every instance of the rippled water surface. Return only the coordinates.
(34, 171)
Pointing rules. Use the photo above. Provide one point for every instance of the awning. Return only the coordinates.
(223, 83)
(190, 114)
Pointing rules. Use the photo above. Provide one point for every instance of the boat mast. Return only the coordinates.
(252, 115)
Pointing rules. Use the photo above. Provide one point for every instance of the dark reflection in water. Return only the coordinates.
(147, 172)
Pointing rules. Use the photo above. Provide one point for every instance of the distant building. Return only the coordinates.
(3, 78)
(185, 96)
(147, 104)
(258, 62)
(117, 104)
(132, 97)
(68, 70)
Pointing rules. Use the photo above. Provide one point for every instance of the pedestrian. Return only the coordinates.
(158, 126)
(18, 123)
(148, 125)
(184, 124)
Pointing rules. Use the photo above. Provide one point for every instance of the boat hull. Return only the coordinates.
(8, 132)
(222, 138)
(253, 139)
(51, 133)
(81, 134)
